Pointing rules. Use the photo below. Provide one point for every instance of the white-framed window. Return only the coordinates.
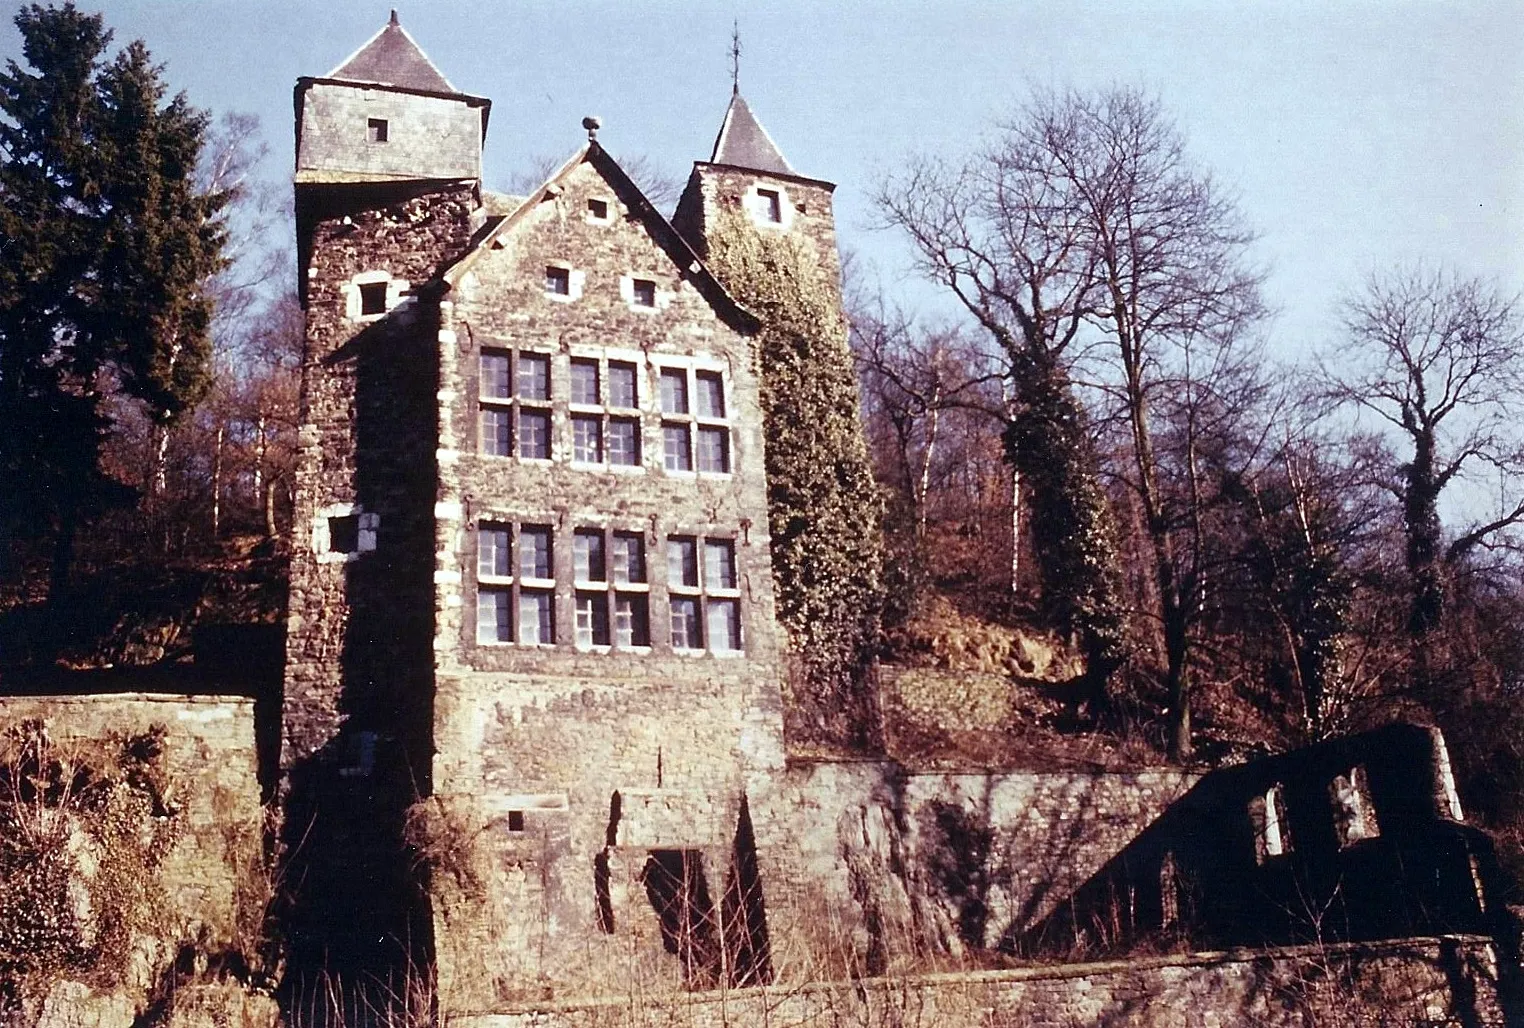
(600, 210)
(515, 583)
(343, 531)
(612, 593)
(563, 283)
(768, 205)
(644, 292)
(370, 295)
(703, 594)
(605, 412)
(695, 420)
(514, 392)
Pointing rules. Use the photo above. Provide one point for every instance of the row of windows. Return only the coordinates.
(516, 415)
(559, 279)
(518, 594)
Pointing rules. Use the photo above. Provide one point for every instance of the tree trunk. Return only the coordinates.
(1015, 530)
(217, 484)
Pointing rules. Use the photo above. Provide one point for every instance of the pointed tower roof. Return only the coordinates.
(391, 58)
(744, 143)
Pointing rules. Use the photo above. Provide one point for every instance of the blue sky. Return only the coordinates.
(1354, 134)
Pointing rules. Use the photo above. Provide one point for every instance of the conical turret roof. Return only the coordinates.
(391, 58)
(744, 143)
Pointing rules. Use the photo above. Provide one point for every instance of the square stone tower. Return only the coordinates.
(533, 668)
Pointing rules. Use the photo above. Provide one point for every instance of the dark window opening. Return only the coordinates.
(376, 129)
(645, 292)
(372, 298)
(344, 534)
(675, 885)
(772, 204)
(598, 209)
(558, 281)
(515, 820)
(748, 950)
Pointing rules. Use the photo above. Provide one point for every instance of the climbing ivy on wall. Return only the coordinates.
(824, 507)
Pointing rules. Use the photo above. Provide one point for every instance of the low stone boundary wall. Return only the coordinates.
(1410, 983)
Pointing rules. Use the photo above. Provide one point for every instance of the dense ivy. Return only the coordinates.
(1048, 441)
(823, 504)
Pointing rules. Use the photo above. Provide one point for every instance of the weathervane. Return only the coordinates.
(735, 57)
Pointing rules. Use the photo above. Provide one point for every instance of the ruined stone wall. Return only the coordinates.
(535, 741)
(1414, 983)
(213, 878)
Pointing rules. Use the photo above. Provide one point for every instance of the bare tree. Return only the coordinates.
(1438, 358)
(998, 233)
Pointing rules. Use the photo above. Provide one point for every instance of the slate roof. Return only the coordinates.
(744, 143)
(391, 58)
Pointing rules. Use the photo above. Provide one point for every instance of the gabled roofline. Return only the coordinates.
(725, 126)
(667, 237)
(393, 24)
(829, 187)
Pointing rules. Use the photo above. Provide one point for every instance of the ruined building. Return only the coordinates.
(531, 586)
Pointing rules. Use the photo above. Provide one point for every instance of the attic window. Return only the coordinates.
(372, 296)
(644, 292)
(558, 281)
(376, 129)
(598, 209)
(770, 204)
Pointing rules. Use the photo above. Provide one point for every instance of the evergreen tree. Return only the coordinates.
(823, 504)
(106, 245)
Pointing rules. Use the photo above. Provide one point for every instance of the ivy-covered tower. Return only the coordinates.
(388, 171)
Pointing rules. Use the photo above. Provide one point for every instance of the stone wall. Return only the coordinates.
(427, 136)
(213, 877)
(1413, 983)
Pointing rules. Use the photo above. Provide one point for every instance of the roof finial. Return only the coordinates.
(735, 57)
(592, 123)
(394, 20)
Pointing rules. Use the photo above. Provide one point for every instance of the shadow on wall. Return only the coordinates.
(1355, 839)
(353, 902)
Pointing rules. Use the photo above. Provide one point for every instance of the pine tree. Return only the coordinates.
(106, 245)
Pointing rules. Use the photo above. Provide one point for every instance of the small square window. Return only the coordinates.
(515, 820)
(677, 453)
(584, 381)
(372, 298)
(621, 384)
(674, 391)
(344, 534)
(771, 204)
(558, 281)
(376, 130)
(599, 209)
(645, 292)
(534, 434)
(534, 376)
